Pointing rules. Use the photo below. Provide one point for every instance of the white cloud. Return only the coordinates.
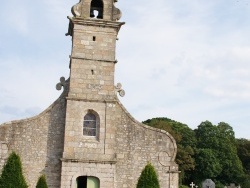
(189, 63)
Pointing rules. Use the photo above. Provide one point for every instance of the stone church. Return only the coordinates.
(86, 138)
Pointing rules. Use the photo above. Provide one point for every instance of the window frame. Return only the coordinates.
(86, 125)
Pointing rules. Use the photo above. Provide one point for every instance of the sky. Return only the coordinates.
(188, 60)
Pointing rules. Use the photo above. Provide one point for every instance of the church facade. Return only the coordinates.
(86, 138)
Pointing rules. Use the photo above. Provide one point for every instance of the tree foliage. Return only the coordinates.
(221, 141)
(207, 165)
(42, 182)
(243, 149)
(12, 176)
(148, 178)
(210, 151)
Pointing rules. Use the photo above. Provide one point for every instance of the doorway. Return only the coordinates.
(87, 182)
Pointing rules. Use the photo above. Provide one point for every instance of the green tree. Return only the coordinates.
(42, 182)
(207, 165)
(12, 176)
(232, 169)
(246, 182)
(148, 178)
(243, 149)
(221, 140)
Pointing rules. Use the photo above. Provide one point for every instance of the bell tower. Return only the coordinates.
(94, 29)
(89, 143)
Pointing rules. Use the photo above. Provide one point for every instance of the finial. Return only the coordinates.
(76, 9)
(61, 83)
(119, 89)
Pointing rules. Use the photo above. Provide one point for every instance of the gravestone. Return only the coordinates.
(193, 185)
(208, 183)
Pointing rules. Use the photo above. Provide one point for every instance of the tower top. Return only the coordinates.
(94, 28)
(100, 9)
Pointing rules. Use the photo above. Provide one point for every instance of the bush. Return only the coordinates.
(183, 186)
(12, 175)
(246, 182)
(148, 178)
(219, 185)
(42, 182)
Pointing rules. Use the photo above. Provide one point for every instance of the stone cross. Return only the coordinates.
(192, 185)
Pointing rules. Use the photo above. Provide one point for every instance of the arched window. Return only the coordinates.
(96, 5)
(88, 182)
(90, 127)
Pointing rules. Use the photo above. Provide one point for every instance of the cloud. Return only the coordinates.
(188, 62)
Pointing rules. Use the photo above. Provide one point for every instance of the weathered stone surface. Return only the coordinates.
(208, 183)
(38, 141)
(53, 142)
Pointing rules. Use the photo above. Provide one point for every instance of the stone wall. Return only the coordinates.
(92, 64)
(73, 169)
(138, 144)
(123, 144)
(3, 153)
(117, 156)
(94, 42)
(91, 80)
(39, 143)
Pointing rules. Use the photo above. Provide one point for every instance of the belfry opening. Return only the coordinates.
(96, 5)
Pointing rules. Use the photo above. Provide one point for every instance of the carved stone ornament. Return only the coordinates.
(119, 89)
(164, 158)
(76, 9)
(117, 14)
(61, 83)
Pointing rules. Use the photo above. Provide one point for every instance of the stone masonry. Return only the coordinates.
(117, 147)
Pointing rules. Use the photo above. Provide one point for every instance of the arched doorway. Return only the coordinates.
(87, 182)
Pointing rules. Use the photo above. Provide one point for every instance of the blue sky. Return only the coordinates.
(181, 59)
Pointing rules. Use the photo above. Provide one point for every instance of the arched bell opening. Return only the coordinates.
(96, 9)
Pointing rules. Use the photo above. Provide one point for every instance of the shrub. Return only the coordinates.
(148, 178)
(42, 182)
(183, 186)
(12, 175)
(246, 182)
(219, 185)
